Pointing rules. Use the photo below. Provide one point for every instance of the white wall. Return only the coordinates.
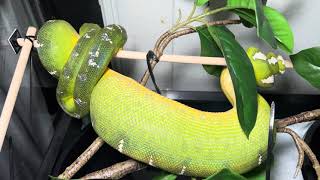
(146, 20)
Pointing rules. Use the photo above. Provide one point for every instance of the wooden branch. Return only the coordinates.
(15, 84)
(116, 171)
(299, 118)
(218, 61)
(71, 170)
(303, 146)
(299, 148)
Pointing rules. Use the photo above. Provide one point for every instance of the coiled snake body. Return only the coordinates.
(146, 126)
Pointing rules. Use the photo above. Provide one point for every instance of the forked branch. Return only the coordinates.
(303, 149)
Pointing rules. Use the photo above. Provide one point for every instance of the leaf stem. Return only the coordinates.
(194, 7)
(199, 17)
(179, 16)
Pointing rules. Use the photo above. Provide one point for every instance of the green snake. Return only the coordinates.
(142, 124)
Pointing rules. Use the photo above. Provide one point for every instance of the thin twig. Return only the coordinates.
(299, 118)
(116, 171)
(168, 37)
(299, 148)
(303, 146)
(71, 170)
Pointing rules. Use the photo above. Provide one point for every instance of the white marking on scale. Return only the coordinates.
(151, 161)
(92, 63)
(119, 28)
(183, 170)
(260, 159)
(82, 77)
(268, 80)
(97, 52)
(272, 60)
(120, 146)
(87, 36)
(80, 102)
(53, 72)
(36, 44)
(280, 58)
(76, 115)
(259, 55)
(109, 28)
(105, 37)
(75, 54)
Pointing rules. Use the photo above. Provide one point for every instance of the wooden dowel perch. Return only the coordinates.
(15, 85)
(219, 61)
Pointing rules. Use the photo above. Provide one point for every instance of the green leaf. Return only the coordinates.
(165, 176)
(247, 14)
(279, 25)
(226, 174)
(246, 23)
(201, 2)
(307, 65)
(247, 4)
(209, 48)
(258, 173)
(263, 25)
(281, 29)
(264, 29)
(242, 75)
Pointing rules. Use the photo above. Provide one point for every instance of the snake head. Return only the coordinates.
(265, 66)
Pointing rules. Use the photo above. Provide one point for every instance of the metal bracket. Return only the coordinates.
(13, 41)
(270, 141)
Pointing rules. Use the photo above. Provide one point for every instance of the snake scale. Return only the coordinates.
(140, 123)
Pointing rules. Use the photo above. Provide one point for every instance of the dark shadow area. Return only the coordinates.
(76, 12)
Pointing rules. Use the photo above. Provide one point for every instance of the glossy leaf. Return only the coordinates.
(246, 23)
(165, 176)
(307, 65)
(279, 25)
(281, 29)
(242, 75)
(209, 48)
(263, 25)
(226, 174)
(264, 29)
(201, 2)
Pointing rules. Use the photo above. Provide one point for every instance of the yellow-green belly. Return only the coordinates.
(174, 137)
